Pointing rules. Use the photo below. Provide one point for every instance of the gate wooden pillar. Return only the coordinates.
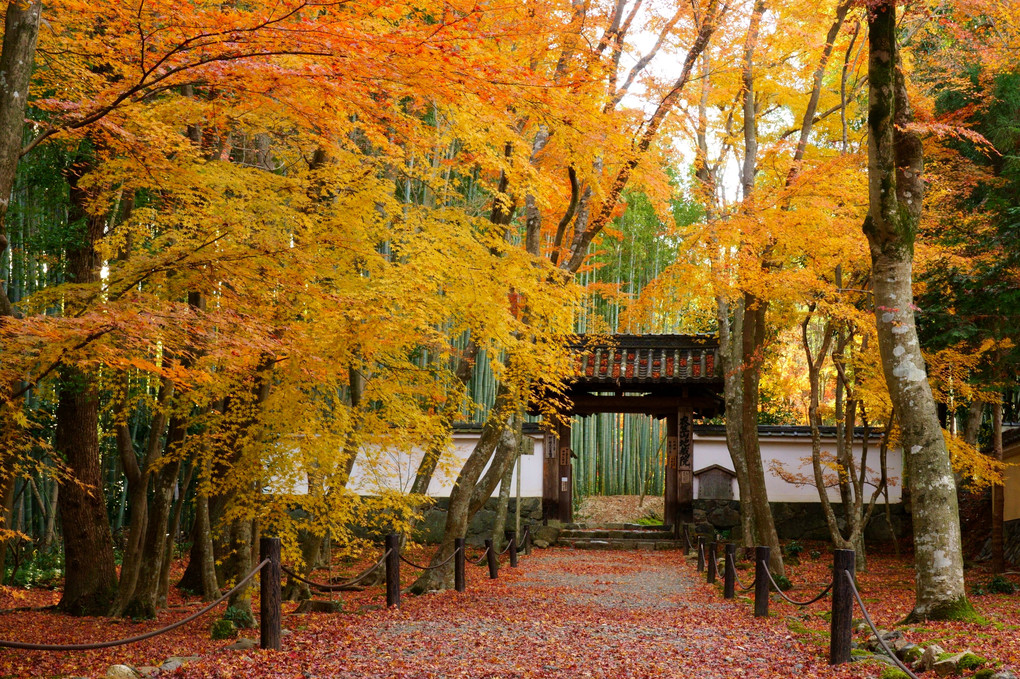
(685, 466)
(550, 474)
(679, 469)
(557, 477)
(565, 479)
(672, 480)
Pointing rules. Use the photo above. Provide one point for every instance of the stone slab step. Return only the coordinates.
(617, 543)
(604, 534)
(617, 526)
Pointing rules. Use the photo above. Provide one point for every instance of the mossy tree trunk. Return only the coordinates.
(895, 166)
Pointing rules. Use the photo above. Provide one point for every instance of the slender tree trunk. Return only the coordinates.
(730, 357)
(753, 345)
(895, 166)
(972, 423)
(138, 477)
(21, 29)
(143, 603)
(237, 563)
(163, 592)
(206, 553)
(51, 520)
(499, 525)
(998, 496)
(458, 513)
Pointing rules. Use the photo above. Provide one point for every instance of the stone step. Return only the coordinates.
(618, 543)
(602, 534)
(617, 526)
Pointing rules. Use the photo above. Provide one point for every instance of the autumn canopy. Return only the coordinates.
(248, 247)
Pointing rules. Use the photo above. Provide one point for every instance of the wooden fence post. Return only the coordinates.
(713, 561)
(393, 570)
(730, 571)
(513, 549)
(761, 581)
(492, 560)
(701, 553)
(269, 594)
(840, 634)
(458, 565)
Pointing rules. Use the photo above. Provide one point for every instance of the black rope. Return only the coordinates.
(740, 585)
(522, 544)
(867, 618)
(338, 586)
(797, 603)
(141, 637)
(431, 568)
(482, 559)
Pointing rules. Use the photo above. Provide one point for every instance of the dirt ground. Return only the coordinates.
(619, 509)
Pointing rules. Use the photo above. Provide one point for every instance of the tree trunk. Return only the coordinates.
(499, 525)
(972, 423)
(753, 345)
(138, 476)
(90, 580)
(458, 513)
(998, 497)
(895, 166)
(730, 333)
(21, 29)
(206, 553)
(236, 565)
(163, 593)
(143, 603)
(91, 576)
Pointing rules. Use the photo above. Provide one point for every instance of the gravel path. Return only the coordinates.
(563, 613)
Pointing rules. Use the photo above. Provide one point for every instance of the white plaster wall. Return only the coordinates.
(1011, 483)
(795, 454)
(382, 470)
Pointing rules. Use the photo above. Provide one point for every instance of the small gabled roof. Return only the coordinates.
(715, 466)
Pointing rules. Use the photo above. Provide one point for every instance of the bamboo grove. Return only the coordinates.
(249, 246)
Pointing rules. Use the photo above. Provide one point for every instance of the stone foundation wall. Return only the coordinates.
(1011, 536)
(431, 528)
(794, 521)
(798, 520)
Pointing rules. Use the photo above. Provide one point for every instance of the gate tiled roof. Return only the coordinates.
(647, 359)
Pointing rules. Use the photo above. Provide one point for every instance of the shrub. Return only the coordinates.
(240, 617)
(783, 582)
(223, 629)
(794, 548)
(1000, 585)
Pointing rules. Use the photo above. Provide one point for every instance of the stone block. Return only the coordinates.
(121, 672)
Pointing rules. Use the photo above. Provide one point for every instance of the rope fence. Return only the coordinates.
(272, 571)
(335, 587)
(140, 637)
(867, 618)
(782, 594)
(842, 588)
